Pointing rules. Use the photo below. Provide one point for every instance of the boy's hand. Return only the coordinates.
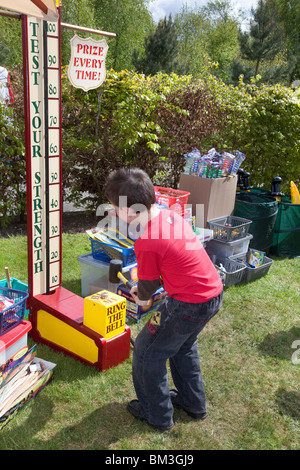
(133, 292)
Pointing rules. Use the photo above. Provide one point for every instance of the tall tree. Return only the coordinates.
(222, 43)
(161, 49)
(208, 34)
(130, 20)
(10, 41)
(79, 13)
(191, 26)
(287, 13)
(265, 38)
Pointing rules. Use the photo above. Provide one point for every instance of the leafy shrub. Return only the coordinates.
(12, 153)
(103, 130)
(264, 123)
(134, 120)
(150, 122)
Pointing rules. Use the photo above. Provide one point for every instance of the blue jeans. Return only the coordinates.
(171, 333)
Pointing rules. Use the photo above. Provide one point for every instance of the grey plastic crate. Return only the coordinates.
(229, 228)
(232, 272)
(228, 249)
(251, 274)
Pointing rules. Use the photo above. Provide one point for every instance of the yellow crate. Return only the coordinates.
(105, 313)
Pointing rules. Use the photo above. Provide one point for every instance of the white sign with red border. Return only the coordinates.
(87, 64)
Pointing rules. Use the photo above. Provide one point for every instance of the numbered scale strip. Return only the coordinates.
(52, 154)
(42, 84)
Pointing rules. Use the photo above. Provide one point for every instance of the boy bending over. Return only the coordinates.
(168, 253)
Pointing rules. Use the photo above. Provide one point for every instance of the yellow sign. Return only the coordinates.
(105, 313)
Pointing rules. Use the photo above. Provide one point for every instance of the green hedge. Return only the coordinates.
(151, 122)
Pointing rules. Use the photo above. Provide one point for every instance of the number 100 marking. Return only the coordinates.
(51, 27)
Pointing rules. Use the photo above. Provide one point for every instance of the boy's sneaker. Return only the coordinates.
(136, 409)
(175, 402)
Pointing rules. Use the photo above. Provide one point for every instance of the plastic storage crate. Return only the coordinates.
(13, 341)
(231, 272)
(95, 275)
(251, 274)
(18, 285)
(105, 252)
(229, 228)
(172, 198)
(13, 315)
(228, 249)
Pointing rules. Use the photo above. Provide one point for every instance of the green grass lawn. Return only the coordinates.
(252, 383)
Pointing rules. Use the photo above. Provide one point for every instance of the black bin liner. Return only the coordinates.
(262, 209)
(286, 237)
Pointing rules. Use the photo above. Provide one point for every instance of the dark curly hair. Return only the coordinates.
(133, 183)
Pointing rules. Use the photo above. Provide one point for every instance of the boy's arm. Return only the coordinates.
(143, 291)
(147, 288)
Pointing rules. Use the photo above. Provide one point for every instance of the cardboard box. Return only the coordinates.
(209, 198)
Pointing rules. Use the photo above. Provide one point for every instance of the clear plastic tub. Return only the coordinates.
(95, 275)
(228, 249)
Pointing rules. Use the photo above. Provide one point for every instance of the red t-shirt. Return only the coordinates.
(169, 249)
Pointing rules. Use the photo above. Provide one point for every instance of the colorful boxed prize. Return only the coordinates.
(255, 257)
(191, 162)
(136, 312)
(105, 313)
(213, 164)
